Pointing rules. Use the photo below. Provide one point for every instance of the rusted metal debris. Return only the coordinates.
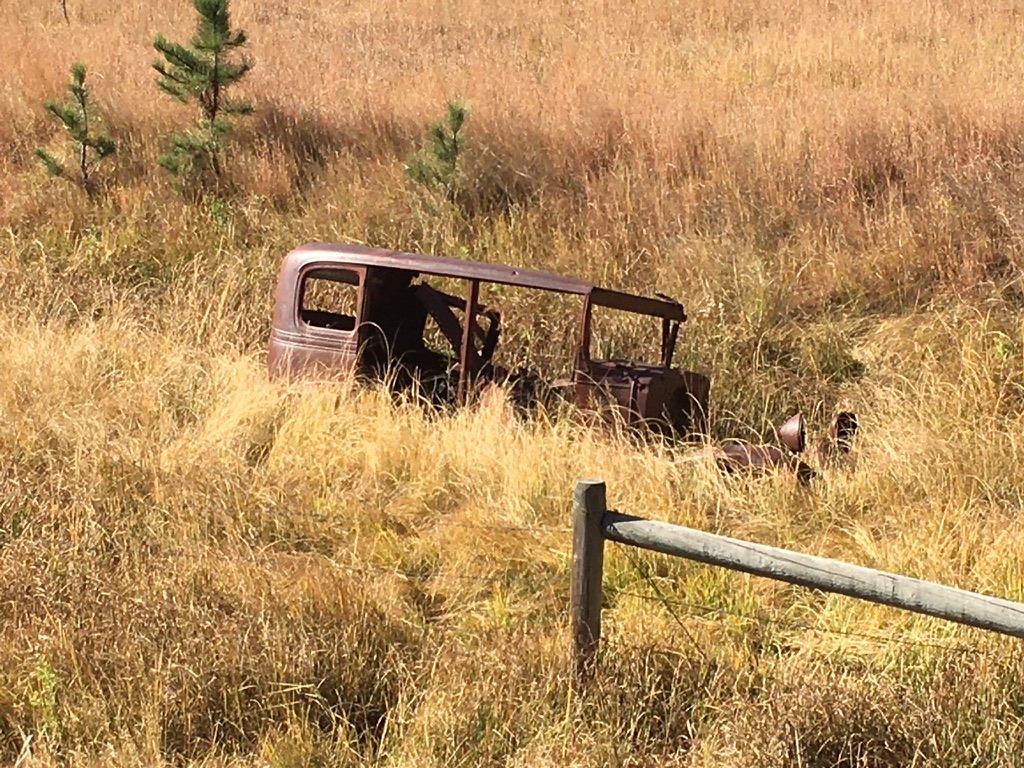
(832, 450)
(381, 302)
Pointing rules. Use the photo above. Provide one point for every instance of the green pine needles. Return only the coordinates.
(79, 117)
(201, 73)
(437, 165)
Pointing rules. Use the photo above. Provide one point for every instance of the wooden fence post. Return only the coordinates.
(588, 508)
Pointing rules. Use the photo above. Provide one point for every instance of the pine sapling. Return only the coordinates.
(78, 116)
(437, 165)
(200, 73)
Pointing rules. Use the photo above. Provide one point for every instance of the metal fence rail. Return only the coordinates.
(593, 524)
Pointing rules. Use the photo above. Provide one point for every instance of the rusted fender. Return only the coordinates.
(760, 458)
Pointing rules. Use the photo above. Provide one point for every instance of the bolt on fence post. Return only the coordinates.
(588, 508)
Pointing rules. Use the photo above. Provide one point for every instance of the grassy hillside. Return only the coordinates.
(198, 565)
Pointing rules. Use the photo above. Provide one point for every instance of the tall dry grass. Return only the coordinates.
(871, 148)
(199, 565)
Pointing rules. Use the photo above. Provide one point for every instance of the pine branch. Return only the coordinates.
(53, 165)
(236, 108)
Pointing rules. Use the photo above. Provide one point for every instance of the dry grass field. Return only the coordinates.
(201, 566)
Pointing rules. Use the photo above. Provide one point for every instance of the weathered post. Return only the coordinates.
(466, 369)
(588, 508)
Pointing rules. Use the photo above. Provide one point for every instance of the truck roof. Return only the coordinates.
(445, 266)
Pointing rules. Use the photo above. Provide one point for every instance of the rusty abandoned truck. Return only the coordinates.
(380, 314)
(375, 312)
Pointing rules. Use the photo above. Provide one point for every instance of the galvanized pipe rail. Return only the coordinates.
(593, 523)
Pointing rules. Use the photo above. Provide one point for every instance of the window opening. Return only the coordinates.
(616, 335)
(539, 330)
(330, 299)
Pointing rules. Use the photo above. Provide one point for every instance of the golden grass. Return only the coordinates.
(200, 565)
(879, 138)
(196, 559)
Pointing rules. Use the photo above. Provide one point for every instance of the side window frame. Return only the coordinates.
(300, 287)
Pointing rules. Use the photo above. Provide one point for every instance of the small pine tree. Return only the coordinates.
(75, 116)
(201, 73)
(437, 165)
